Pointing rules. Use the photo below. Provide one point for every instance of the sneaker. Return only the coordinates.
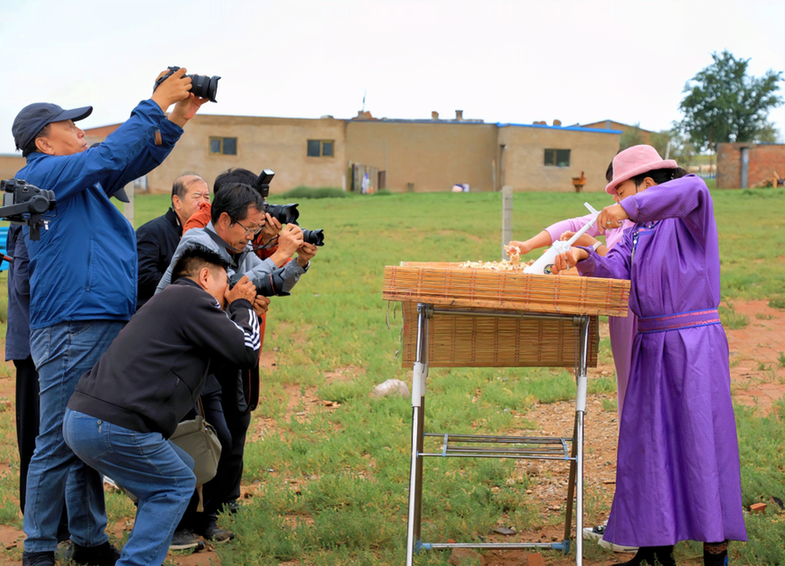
(616, 547)
(184, 539)
(102, 555)
(38, 559)
(216, 534)
(594, 532)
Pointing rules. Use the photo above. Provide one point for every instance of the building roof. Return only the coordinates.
(567, 128)
(606, 123)
(109, 128)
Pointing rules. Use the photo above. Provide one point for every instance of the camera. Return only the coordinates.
(201, 85)
(315, 237)
(24, 203)
(270, 286)
(284, 213)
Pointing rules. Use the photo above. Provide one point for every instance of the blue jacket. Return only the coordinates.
(84, 265)
(17, 333)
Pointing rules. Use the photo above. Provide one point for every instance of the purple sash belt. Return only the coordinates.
(678, 321)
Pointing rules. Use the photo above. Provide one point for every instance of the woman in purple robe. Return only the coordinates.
(678, 472)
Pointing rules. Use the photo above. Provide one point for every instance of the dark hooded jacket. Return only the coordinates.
(153, 372)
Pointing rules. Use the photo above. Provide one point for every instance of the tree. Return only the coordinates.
(631, 136)
(768, 134)
(725, 104)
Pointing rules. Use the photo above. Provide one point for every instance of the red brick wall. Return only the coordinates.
(765, 159)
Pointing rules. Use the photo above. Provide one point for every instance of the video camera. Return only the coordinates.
(284, 213)
(25, 204)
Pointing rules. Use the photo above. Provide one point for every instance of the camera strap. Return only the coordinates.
(220, 241)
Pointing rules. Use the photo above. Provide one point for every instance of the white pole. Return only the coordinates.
(506, 217)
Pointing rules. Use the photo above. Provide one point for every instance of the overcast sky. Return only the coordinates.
(501, 61)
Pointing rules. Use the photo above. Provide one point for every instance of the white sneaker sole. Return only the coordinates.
(616, 547)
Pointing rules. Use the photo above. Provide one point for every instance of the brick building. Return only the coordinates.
(645, 135)
(399, 155)
(743, 165)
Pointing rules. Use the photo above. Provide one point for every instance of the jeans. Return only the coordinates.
(27, 419)
(62, 354)
(153, 469)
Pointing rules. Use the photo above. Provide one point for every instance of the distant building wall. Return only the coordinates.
(10, 164)
(425, 156)
(279, 144)
(764, 160)
(523, 159)
(415, 155)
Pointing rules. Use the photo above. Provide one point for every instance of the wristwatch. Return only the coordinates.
(596, 245)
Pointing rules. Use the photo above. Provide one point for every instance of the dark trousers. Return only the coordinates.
(27, 420)
(237, 422)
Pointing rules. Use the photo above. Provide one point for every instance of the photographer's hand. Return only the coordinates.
(174, 89)
(290, 239)
(260, 305)
(305, 253)
(186, 109)
(243, 289)
(271, 228)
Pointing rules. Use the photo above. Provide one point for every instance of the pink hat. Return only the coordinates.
(636, 160)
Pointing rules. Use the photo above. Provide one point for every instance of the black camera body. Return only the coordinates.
(201, 85)
(26, 204)
(284, 213)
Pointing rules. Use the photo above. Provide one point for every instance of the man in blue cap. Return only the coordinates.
(82, 291)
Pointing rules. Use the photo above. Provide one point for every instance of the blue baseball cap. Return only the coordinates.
(33, 117)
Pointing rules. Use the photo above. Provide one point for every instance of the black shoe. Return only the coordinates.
(102, 555)
(652, 556)
(715, 554)
(216, 534)
(38, 559)
(184, 539)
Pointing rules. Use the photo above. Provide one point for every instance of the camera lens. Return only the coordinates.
(204, 86)
(315, 237)
(271, 286)
(283, 213)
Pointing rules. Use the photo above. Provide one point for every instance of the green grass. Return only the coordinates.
(731, 319)
(330, 486)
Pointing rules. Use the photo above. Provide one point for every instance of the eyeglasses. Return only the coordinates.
(252, 231)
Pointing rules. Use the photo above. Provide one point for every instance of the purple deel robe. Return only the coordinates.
(622, 329)
(678, 459)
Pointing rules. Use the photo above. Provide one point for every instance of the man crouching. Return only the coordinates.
(124, 409)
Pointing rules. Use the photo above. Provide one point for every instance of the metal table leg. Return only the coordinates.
(420, 373)
(580, 411)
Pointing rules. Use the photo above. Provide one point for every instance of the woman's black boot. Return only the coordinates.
(715, 553)
(652, 556)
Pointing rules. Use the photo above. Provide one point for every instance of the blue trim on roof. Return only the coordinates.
(568, 128)
(417, 121)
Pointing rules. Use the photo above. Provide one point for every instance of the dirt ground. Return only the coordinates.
(757, 380)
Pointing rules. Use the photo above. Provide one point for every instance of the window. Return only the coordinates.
(557, 158)
(226, 146)
(320, 148)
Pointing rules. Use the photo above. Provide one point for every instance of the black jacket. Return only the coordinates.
(155, 245)
(152, 373)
